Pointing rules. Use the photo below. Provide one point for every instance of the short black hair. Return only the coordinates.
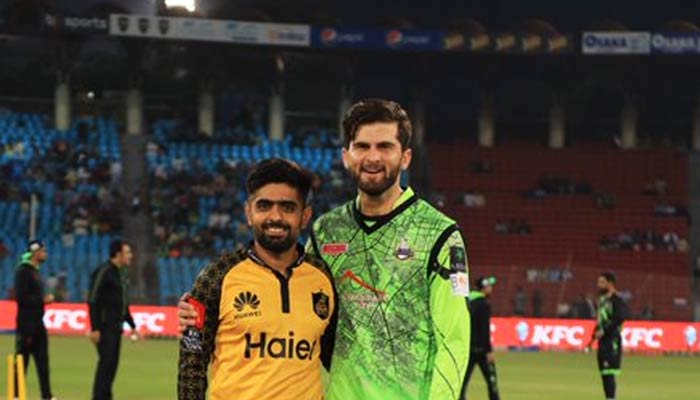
(609, 276)
(369, 111)
(279, 170)
(116, 246)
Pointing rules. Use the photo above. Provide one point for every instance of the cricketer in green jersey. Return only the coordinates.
(401, 273)
(608, 332)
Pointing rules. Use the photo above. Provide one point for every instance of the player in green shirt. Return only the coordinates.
(608, 332)
(401, 273)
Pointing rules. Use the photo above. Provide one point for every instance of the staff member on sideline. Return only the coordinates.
(481, 351)
(108, 302)
(608, 332)
(32, 337)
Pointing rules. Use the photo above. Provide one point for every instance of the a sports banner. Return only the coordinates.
(377, 39)
(571, 334)
(514, 333)
(210, 30)
(509, 42)
(623, 43)
(67, 23)
(73, 319)
(675, 43)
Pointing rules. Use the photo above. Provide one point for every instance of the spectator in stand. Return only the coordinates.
(519, 302)
(584, 307)
(500, 227)
(658, 187)
(481, 167)
(647, 312)
(537, 303)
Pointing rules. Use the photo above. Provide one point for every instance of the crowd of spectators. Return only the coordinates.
(647, 240)
(555, 186)
(86, 183)
(512, 226)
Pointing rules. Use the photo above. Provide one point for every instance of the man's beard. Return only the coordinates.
(378, 187)
(274, 244)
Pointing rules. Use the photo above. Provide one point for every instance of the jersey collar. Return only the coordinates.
(370, 224)
(256, 258)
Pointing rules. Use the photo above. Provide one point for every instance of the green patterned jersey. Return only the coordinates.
(611, 315)
(403, 323)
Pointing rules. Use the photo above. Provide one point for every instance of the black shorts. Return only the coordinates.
(610, 357)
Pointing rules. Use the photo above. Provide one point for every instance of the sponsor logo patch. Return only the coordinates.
(334, 249)
(460, 284)
(247, 304)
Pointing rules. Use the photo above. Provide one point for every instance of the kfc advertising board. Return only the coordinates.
(573, 334)
(544, 334)
(73, 318)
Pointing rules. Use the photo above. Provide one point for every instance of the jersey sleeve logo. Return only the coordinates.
(320, 303)
(192, 341)
(458, 259)
(460, 284)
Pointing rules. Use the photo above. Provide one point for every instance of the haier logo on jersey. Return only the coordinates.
(558, 334)
(279, 347)
(635, 337)
(247, 304)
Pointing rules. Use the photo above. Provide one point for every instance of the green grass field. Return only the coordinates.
(148, 371)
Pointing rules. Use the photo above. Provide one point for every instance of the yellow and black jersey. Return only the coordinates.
(265, 334)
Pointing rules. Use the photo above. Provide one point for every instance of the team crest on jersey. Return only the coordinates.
(404, 252)
(320, 302)
(334, 249)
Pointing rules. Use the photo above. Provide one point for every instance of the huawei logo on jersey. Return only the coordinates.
(246, 299)
(249, 301)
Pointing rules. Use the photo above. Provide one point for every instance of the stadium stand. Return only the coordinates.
(586, 192)
(75, 176)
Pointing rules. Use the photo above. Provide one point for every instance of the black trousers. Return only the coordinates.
(35, 341)
(108, 351)
(488, 370)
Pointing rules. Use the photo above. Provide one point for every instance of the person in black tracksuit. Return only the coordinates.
(608, 332)
(32, 337)
(481, 351)
(108, 302)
